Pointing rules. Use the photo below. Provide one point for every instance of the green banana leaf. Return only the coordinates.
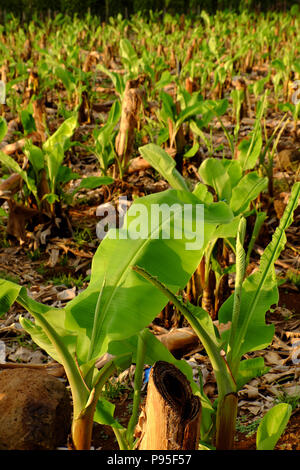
(168, 108)
(249, 369)
(92, 182)
(162, 162)
(11, 163)
(36, 157)
(234, 170)
(125, 307)
(188, 113)
(9, 293)
(247, 189)
(127, 51)
(215, 175)
(249, 150)
(3, 128)
(49, 333)
(272, 426)
(55, 146)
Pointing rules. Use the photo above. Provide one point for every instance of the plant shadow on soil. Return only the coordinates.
(104, 438)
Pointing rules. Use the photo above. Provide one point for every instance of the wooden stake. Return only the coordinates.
(172, 414)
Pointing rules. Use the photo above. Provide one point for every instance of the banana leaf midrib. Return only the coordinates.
(131, 262)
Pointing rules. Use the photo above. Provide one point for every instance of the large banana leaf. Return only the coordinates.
(128, 302)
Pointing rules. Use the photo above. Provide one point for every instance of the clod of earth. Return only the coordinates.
(35, 410)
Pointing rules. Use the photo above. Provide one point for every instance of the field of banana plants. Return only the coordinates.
(150, 231)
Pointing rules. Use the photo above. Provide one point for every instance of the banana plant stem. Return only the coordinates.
(138, 379)
(82, 425)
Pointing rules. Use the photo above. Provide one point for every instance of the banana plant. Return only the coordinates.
(129, 58)
(42, 179)
(211, 109)
(231, 185)
(118, 80)
(191, 106)
(238, 189)
(238, 97)
(104, 138)
(97, 319)
(294, 110)
(173, 115)
(156, 69)
(245, 311)
(46, 172)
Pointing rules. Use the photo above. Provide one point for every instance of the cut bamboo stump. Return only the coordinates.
(131, 105)
(172, 414)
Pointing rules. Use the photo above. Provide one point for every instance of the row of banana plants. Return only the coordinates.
(44, 177)
(218, 49)
(71, 58)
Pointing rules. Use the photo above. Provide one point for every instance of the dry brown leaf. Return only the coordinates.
(53, 258)
(18, 216)
(67, 294)
(272, 357)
